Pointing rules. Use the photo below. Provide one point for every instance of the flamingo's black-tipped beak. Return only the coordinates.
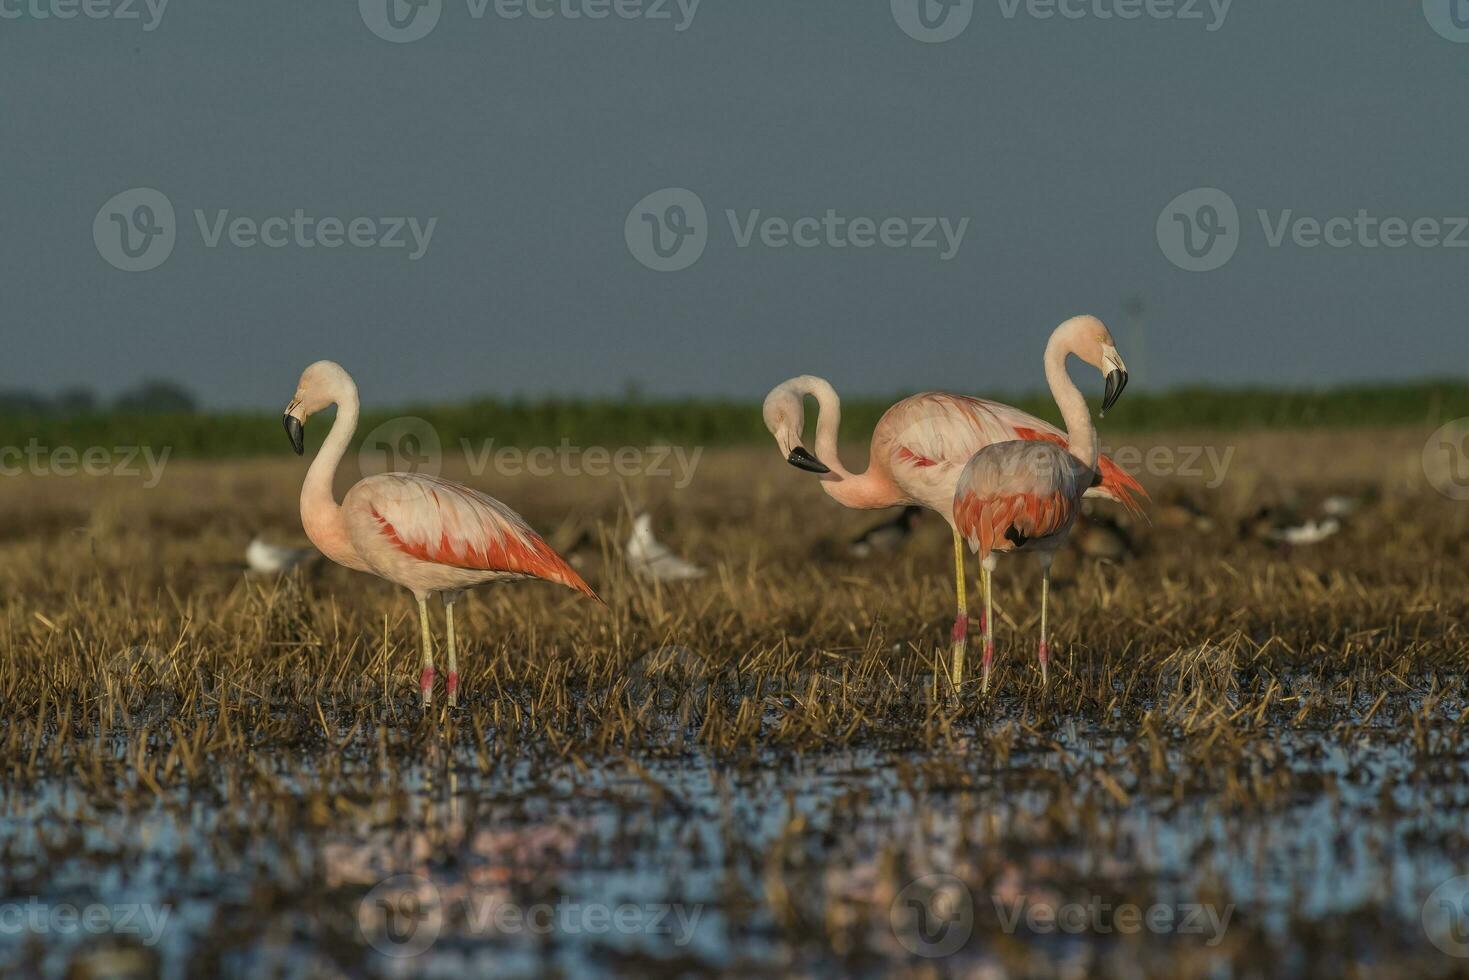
(296, 431)
(803, 460)
(1116, 381)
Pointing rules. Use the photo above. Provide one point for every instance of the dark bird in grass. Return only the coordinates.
(1181, 512)
(887, 537)
(1284, 527)
(1103, 538)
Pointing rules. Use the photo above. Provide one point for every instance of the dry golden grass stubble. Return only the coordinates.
(140, 591)
(141, 666)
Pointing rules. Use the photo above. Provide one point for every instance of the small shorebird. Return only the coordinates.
(428, 535)
(650, 559)
(264, 558)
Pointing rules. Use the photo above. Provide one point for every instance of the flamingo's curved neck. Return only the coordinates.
(1081, 435)
(862, 490)
(828, 425)
(318, 503)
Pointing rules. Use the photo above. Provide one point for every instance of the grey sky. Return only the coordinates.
(531, 139)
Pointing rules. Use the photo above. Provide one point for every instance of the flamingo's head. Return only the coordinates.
(785, 417)
(322, 384)
(1092, 342)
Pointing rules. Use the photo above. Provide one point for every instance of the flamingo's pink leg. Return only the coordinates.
(1045, 657)
(960, 636)
(452, 680)
(426, 678)
(989, 622)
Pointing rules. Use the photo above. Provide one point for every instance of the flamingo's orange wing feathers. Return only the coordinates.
(447, 524)
(984, 521)
(1010, 489)
(1116, 483)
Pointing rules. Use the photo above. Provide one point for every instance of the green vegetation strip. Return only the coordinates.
(615, 422)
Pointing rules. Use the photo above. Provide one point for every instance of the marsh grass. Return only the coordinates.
(778, 741)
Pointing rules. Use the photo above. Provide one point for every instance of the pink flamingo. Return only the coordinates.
(1024, 495)
(919, 449)
(426, 534)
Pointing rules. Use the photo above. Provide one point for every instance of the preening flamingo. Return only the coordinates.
(1024, 495)
(426, 534)
(919, 448)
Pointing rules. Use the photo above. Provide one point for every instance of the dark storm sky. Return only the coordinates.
(1061, 140)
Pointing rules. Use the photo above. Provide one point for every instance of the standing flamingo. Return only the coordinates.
(1024, 495)
(426, 534)
(919, 448)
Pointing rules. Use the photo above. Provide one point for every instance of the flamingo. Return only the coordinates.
(423, 533)
(1025, 494)
(919, 448)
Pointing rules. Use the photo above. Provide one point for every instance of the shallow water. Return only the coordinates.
(1326, 853)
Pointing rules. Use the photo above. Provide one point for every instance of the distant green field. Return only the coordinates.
(714, 423)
